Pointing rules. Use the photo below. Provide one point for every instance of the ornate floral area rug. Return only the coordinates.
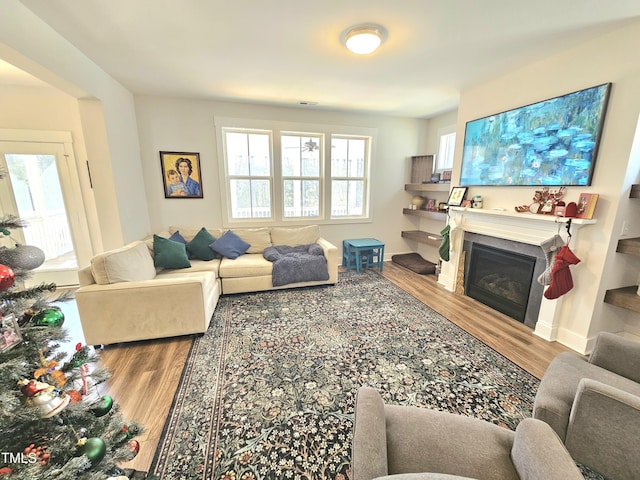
(268, 391)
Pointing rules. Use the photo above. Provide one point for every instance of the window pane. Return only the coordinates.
(261, 198)
(339, 157)
(347, 198)
(300, 156)
(240, 198)
(237, 153)
(301, 198)
(356, 158)
(250, 198)
(339, 191)
(259, 155)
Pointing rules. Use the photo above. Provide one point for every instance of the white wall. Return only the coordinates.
(604, 59)
(187, 125)
(30, 44)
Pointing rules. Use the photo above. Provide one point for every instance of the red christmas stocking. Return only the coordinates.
(561, 280)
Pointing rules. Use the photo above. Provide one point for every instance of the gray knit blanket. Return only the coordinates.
(302, 263)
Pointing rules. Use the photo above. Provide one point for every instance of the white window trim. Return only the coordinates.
(278, 127)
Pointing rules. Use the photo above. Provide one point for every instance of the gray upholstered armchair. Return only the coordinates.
(410, 443)
(594, 405)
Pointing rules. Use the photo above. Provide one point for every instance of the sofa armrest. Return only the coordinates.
(162, 307)
(369, 457)
(604, 421)
(333, 257)
(617, 354)
(538, 453)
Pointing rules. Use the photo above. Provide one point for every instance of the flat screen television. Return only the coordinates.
(553, 143)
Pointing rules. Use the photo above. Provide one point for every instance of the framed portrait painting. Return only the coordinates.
(181, 174)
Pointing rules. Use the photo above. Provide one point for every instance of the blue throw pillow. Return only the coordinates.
(177, 237)
(230, 245)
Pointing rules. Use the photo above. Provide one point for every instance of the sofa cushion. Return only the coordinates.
(130, 263)
(248, 265)
(199, 246)
(295, 235)
(230, 245)
(258, 238)
(169, 253)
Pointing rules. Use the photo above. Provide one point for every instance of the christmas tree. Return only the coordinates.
(53, 422)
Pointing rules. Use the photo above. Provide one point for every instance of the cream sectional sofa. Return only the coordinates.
(123, 297)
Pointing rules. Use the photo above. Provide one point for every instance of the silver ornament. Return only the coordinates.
(25, 257)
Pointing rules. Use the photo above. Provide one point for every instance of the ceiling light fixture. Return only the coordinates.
(364, 39)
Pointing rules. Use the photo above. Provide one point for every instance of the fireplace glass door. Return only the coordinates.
(500, 279)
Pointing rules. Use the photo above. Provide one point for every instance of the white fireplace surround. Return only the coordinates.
(520, 227)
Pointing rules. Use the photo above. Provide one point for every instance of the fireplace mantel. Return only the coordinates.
(528, 228)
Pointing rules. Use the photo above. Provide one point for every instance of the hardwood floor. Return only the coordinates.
(146, 374)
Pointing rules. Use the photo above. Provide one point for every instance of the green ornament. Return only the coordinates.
(94, 449)
(49, 317)
(102, 406)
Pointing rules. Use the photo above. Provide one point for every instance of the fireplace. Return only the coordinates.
(502, 274)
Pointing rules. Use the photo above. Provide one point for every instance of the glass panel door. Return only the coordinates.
(34, 190)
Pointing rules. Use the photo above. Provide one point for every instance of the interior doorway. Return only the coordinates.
(41, 187)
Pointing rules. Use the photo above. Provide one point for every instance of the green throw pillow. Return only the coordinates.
(199, 246)
(169, 254)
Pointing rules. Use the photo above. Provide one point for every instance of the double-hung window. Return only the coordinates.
(349, 176)
(250, 173)
(301, 174)
(286, 172)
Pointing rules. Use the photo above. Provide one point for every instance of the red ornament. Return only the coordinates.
(75, 396)
(134, 446)
(7, 278)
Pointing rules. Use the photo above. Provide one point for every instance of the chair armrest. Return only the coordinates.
(538, 453)
(603, 427)
(369, 449)
(333, 258)
(617, 354)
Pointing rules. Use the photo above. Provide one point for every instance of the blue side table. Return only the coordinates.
(354, 250)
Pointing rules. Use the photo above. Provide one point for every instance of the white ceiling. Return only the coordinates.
(285, 52)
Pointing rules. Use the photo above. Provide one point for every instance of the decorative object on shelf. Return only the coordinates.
(435, 178)
(558, 211)
(544, 201)
(442, 206)
(25, 257)
(446, 176)
(431, 204)
(457, 196)
(418, 202)
(587, 205)
(477, 201)
(553, 142)
(571, 210)
(421, 168)
(467, 204)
